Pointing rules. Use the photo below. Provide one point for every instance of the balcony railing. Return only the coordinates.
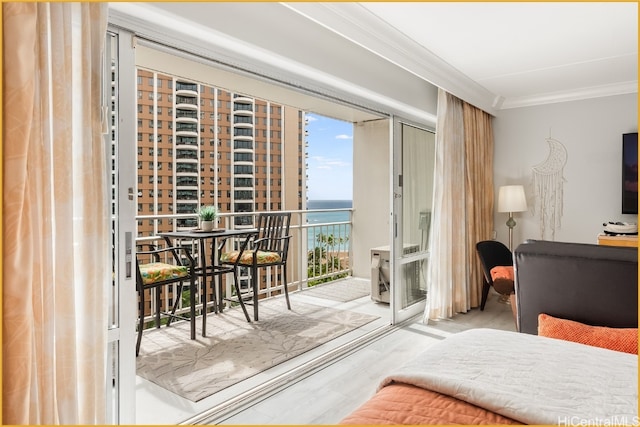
(319, 251)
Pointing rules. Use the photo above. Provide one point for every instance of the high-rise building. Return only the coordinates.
(199, 144)
(202, 145)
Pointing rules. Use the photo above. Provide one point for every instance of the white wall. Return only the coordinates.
(371, 187)
(591, 130)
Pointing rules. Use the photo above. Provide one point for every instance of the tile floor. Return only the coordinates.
(328, 393)
(332, 393)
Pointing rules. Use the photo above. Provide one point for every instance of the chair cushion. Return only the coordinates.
(502, 272)
(159, 271)
(502, 277)
(247, 257)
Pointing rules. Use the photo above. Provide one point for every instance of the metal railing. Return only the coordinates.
(319, 251)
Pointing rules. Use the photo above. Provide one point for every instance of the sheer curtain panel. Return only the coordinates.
(463, 207)
(55, 214)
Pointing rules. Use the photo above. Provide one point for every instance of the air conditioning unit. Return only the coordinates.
(381, 275)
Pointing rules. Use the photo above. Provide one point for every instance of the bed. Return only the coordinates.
(585, 298)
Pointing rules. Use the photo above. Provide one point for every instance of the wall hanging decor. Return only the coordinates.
(548, 181)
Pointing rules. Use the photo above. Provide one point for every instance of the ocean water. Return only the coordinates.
(328, 217)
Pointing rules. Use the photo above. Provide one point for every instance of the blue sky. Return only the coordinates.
(330, 161)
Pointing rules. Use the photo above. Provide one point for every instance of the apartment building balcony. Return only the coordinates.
(186, 167)
(242, 135)
(186, 114)
(185, 102)
(186, 88)
(187, 181)
(186, 119)
(189, 153)
(243, 109)
(246, 125)
(186, 129)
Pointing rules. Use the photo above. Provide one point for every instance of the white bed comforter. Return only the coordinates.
(531, 379)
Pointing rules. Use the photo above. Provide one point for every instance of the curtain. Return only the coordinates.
(56, 253)
(463, 207)
(478, 140)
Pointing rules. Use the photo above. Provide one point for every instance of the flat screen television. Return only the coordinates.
(630, 173)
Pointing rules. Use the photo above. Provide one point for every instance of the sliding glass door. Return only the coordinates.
(413, 180)
(119, 92)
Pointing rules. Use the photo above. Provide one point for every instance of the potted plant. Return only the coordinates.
(208, 215)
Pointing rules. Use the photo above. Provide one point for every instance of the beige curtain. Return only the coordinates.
(463, 207)
(55, 215)
(478, 141)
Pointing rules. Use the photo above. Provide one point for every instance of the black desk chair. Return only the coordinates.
(493, 254)
(153, 274)
(267, 248)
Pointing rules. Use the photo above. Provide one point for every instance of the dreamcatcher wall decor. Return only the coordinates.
(548, 182)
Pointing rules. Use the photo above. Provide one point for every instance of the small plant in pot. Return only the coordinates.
(208, 215)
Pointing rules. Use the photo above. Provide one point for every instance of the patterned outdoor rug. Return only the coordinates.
(235, 349)
(340, 290)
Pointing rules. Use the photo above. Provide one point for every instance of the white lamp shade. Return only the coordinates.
(511, 198)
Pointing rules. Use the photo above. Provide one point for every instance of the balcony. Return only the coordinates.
(318, 252)
(315, 264)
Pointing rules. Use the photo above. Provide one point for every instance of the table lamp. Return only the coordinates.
(511, 199)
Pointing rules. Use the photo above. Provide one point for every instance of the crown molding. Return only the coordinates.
(354, 22)
(571, 95)
(357, 24)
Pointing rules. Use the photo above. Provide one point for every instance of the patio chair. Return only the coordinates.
(267, 248)
(156, 274)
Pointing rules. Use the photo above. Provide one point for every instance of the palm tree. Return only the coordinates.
(321, 261)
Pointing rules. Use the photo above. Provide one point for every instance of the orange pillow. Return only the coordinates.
(618, 339)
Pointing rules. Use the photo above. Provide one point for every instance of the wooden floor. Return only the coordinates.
(329, 395)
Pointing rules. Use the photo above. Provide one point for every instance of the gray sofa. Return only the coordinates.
(592, 284)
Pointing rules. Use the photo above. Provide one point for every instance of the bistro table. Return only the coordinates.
(209, 267)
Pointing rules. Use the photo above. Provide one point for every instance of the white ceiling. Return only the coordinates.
(524, 51)
(494, 54)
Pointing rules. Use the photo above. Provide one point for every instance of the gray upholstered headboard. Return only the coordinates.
(592, 284)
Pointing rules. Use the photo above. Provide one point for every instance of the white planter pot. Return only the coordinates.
(207, 225)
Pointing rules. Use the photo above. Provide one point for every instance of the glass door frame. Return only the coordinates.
(400, 261)
(121, 334)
